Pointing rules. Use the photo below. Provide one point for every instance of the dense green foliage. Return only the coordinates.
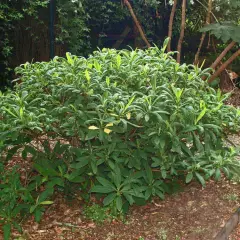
(13, 14)
(123, 124)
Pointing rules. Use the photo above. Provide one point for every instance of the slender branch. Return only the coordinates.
(208, 19)
(206, 9)
(223, 54)
(224, 65)
(126, 2)
(179, 47)
(220, 57)
(170, 25)
(122, 37)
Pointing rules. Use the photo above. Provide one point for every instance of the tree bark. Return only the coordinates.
(137, 23)
(170, 25)
(223, 54)
(179, 47)
(208, 19)
(224, 65)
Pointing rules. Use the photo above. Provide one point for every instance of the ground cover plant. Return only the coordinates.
(125, 125)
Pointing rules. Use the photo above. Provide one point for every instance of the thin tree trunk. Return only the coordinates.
(170, 25)
(224, 65)
(223, 54)
(179, 47)
(122, 37)
(138, 42)
(208, 19)
(137, 23)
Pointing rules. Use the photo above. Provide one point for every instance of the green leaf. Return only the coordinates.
(87, 75)
(119, 203)
(164, 173)
(201, 115)
(32, 208)
(10, 112)
(160, 194)
(147, 117)
(217, 174)
(45, 194)
(224, 31)
(197, 143)
(200, 179)
(38, 214)
(82, 162)
(105, 182)
(117, 176)
(148, 193)
(46, 203)
(165, 44)
(129, 198)
(7, 231)
(55, 181)
(129, 103)
(101, 189)
(226, 171)
(94, 167)
(109, 199)
(108, 81)
(119, 60)
(189, 177)
(149, 174)
(69, 58)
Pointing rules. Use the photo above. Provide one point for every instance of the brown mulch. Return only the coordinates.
(234, 100)
(195, 214)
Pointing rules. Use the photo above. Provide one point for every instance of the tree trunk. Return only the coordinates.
(179, 47)
(222, 55)
(208, 19)
(170, 25)
(137, 23)
(224, 65)
(122, 37)
(138, 42)
(226, 83)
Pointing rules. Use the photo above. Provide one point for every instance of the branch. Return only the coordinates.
(220, 57)
(179, 47)
(208, 19)
(137, 23)
(210, 12)
(224, 65)
(223, 54)
(170, 25)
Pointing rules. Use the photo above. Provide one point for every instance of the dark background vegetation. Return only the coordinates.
(82, 26)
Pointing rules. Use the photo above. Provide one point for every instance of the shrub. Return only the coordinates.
(18, 200)
(123, 124)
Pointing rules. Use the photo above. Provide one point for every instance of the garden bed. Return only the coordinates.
(193, 214)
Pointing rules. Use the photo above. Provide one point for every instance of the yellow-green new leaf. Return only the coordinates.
(93, 128)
